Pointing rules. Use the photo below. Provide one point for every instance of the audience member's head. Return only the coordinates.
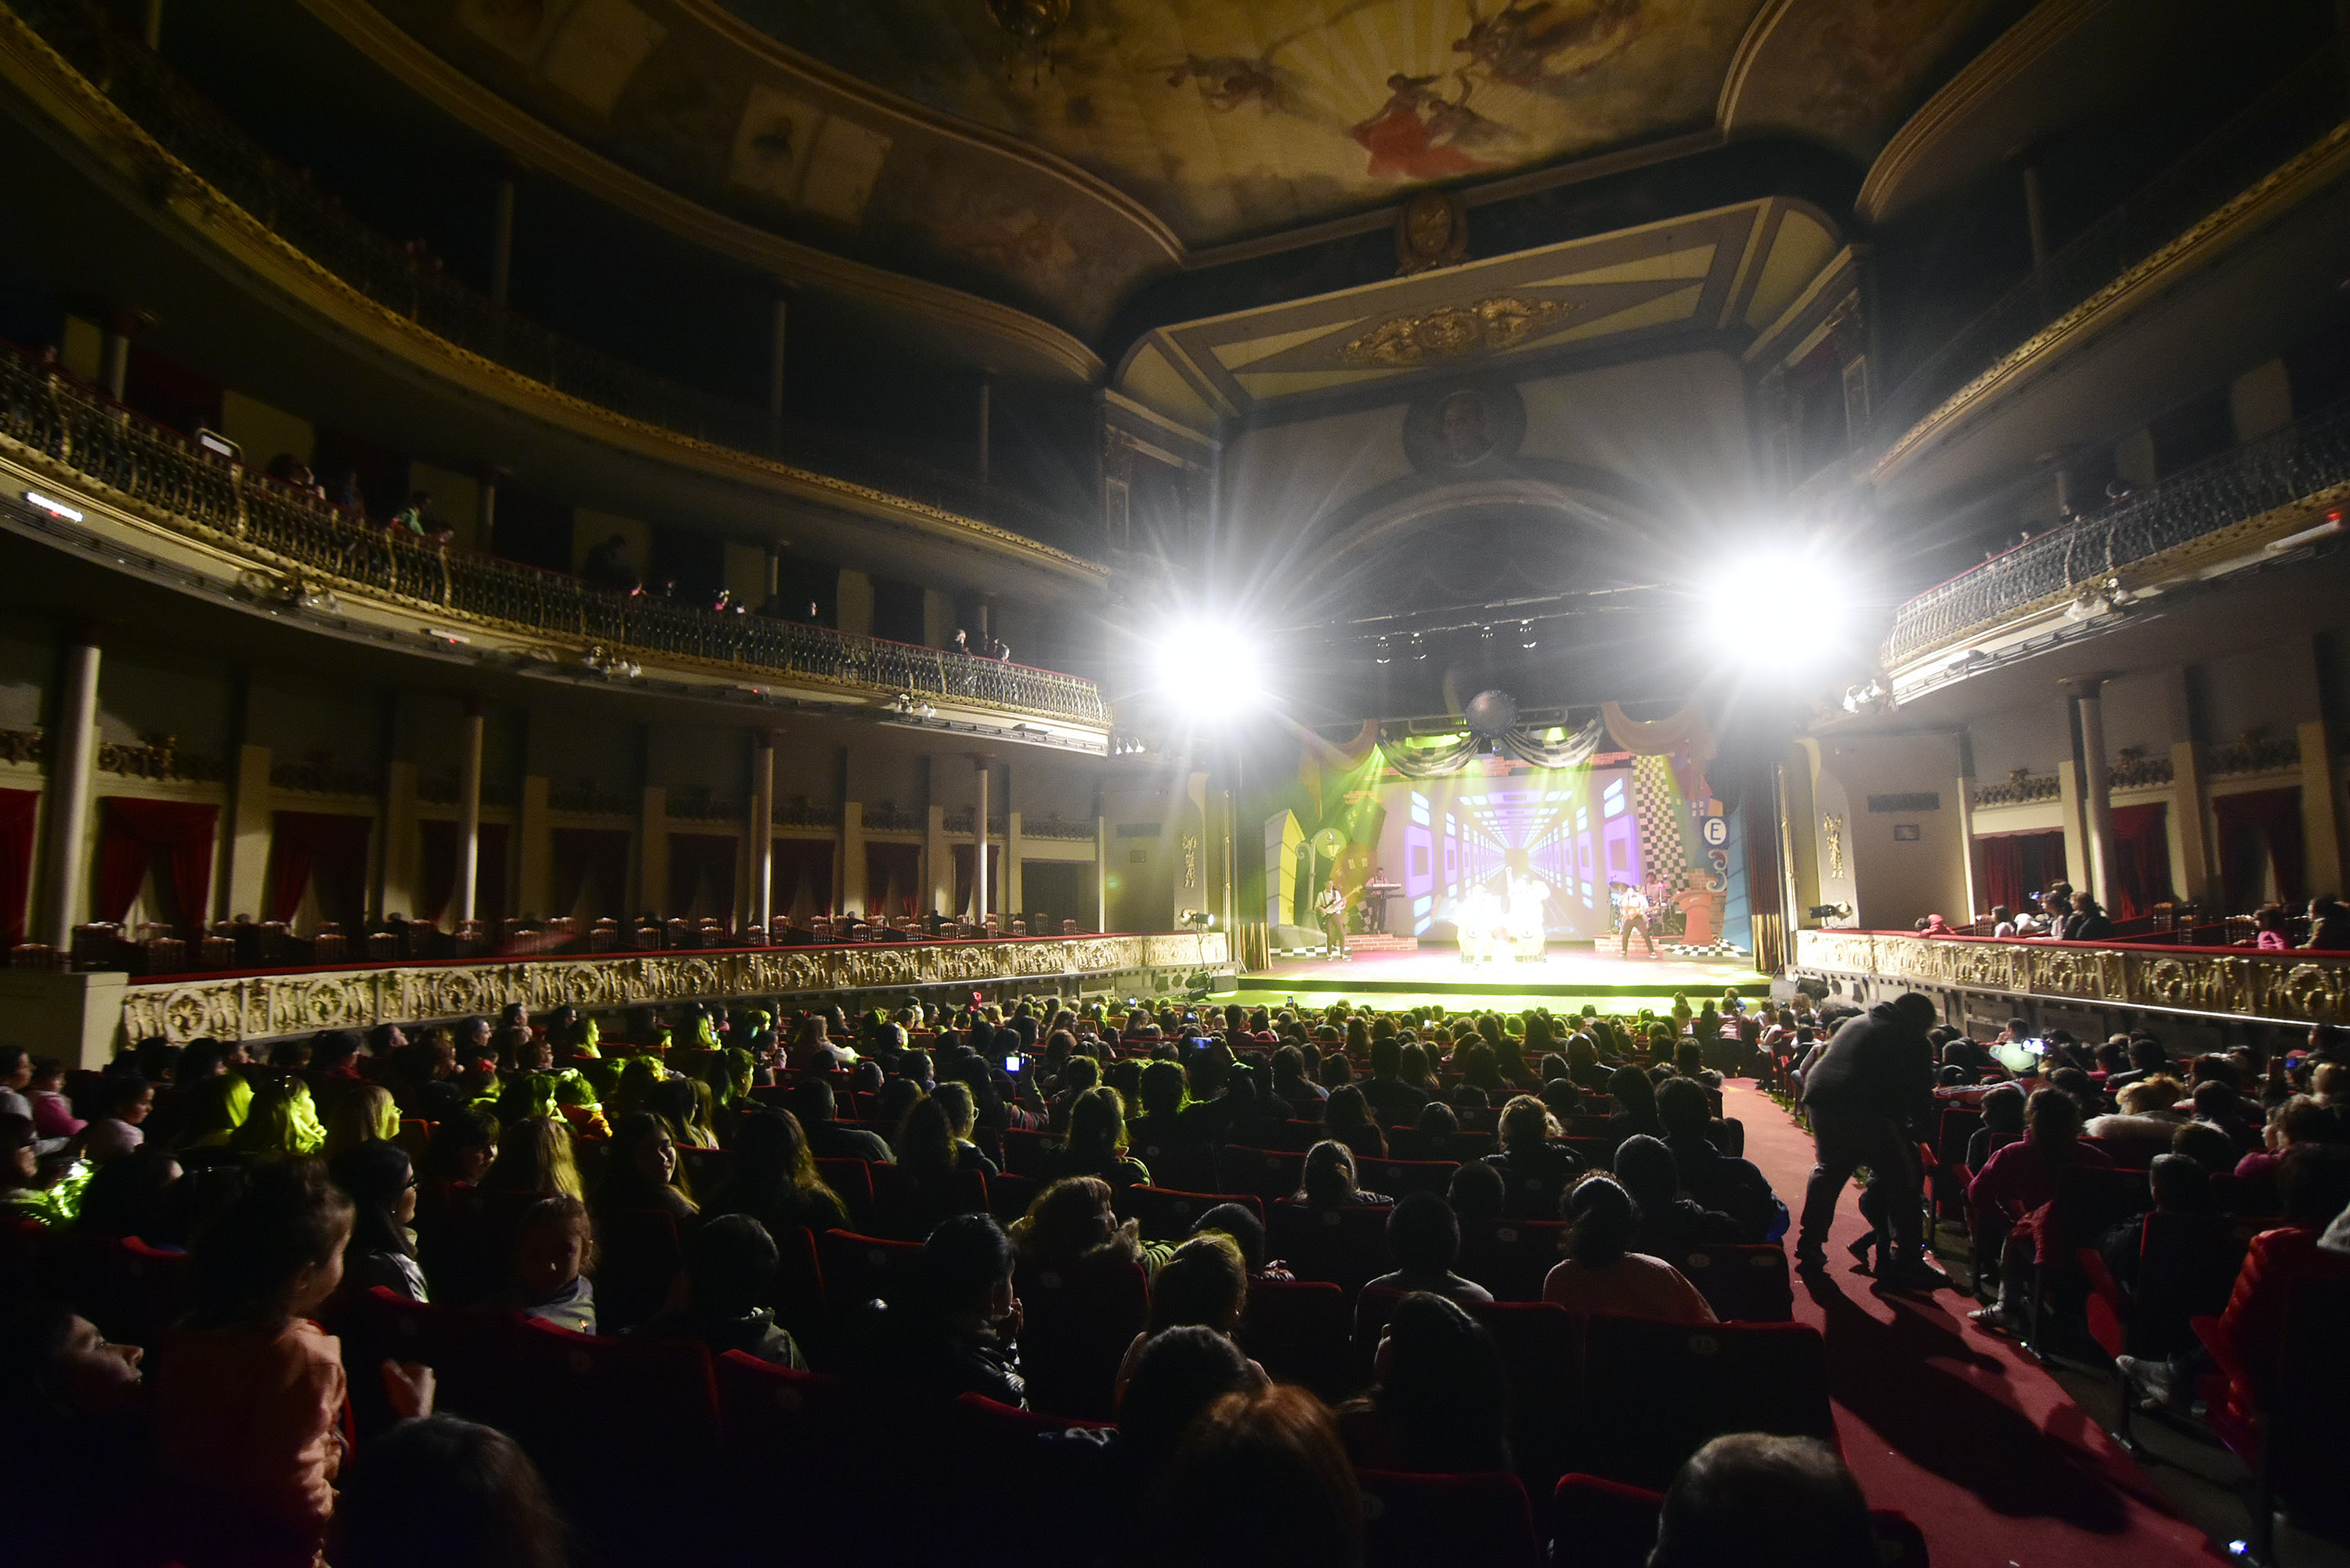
(1477, 1191)
(1423, 1236)
(1749, 1500)
(439, 1492)
(274, 1255)
(1441, 1382)
(1241, 1223)
(1601, 1220)
(1204, 1284)
(1259, 1480)
(1176, 1375)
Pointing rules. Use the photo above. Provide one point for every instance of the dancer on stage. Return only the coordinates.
(1632, 910)
(1332, 907)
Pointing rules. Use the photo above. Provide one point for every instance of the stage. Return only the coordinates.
(1566, 977)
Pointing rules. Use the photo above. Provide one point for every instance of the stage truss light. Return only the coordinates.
(1784, 609)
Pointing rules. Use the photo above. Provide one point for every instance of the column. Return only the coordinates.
(853, 894)
(114, 355)
(776, 349)
(73, 757)
(469, 812)
(763, 829)
(1101, 872)
(980, 770)
(938, 865)
(653, 851)
(2319, 819)
(1976, 907)
(1014, 905)
(250, 818)
(2077, 838)
(2097, 784)
(2196, 882)
(535, 852)
(485, 537)
(986, 420)
(502, 242)
(401, 883)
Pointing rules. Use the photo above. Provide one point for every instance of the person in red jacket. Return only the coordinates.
(2007, 1202)
(2316, 1182)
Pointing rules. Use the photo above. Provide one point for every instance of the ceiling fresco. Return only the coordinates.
(917, 136)
(1233, 117)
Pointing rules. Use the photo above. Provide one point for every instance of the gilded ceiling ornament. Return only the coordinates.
(1458, 331)
(1431, 231)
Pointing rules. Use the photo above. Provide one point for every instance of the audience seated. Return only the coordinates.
(555, 1253)
(1601, 1274)
(1424, 1239)
(487, 1504)
(730, 1267)
(1753, 1502)
(1439, 1401)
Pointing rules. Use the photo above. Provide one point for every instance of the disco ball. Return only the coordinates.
(1490, 713)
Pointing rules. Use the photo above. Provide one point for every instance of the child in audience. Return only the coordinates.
(249, 1393)
(488, 1505)
(555, 1252)
(1601, 1274)
(120, 1127)
(1240, 1222)
(283, 1123)
(52, 1116)
(730, 1267)
(1439, 1396)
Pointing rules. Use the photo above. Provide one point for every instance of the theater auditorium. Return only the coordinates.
(1123, 783)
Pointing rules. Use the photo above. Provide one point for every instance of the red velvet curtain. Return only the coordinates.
(701, 876)
(591, 864)
(326, 847)
(2142, 850)
(2000, 857)
(893, 876)
(803, 866)
(18, 808)
(2258, 829)
(2015, 866)
(437, 870)
(963, 858)
(132, 834)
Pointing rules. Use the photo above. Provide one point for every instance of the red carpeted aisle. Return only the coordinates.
(1956, 1428)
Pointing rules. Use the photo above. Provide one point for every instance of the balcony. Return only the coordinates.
(2289, 120)
(2237, 504)
(235, 168)
(287, 549)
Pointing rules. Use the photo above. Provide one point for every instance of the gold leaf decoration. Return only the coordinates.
(1457, 331)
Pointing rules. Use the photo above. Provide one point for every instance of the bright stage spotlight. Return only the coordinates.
(1206, 672)
(1786, 609)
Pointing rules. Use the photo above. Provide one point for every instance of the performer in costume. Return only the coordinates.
(1632, 911)
(1332, 907)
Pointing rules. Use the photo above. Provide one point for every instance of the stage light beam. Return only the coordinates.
(1805, 593)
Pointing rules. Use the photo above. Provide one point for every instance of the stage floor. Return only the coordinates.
(1567, 973)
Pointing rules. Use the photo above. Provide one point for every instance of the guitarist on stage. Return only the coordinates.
(1631, 910)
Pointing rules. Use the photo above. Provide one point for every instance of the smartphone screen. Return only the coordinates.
(1012, 1064)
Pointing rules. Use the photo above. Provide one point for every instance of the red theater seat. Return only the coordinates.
(1411, 1521)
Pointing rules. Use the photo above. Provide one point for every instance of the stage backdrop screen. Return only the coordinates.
(1573, 829)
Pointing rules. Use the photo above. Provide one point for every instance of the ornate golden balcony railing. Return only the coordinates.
(2242, 982)
(257, 1006)
(302, 547)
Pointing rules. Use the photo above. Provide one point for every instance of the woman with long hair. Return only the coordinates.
(1330, 1180)
(1601, 1274)
(358, 1114)
(283, 1124)
(1096, 1144)
(382, 1185)
(536, 1156)
(773, 1178)
(640, 1170)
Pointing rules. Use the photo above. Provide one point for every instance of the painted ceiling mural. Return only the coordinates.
(916, 135)
(1236, 117)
